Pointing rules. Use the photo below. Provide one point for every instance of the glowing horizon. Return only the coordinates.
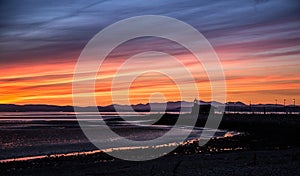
(259, 51)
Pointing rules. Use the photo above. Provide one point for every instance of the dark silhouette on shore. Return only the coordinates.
(177, 106)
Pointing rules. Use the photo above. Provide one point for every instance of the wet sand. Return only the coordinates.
(263, 162)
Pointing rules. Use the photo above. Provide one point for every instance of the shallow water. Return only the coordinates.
(34, 135)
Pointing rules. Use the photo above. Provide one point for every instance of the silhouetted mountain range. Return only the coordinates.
(184, 106)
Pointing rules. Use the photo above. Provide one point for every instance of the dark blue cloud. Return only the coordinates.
(33, 29)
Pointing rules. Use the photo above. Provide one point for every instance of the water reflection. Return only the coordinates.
(26, 136)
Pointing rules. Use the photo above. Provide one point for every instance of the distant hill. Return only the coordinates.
(176, 106)
(157, 107)
(34, 107)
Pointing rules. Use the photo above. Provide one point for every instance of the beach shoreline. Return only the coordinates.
(253, 162)
(266, 146)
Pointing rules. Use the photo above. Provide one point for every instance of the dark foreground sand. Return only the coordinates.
(265, 162)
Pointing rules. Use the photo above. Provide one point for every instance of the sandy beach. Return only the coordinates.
(262, 162)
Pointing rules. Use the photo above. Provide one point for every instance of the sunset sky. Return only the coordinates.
(258, 44)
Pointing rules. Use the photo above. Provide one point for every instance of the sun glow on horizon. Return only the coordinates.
(258, 45)
(45, 84)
